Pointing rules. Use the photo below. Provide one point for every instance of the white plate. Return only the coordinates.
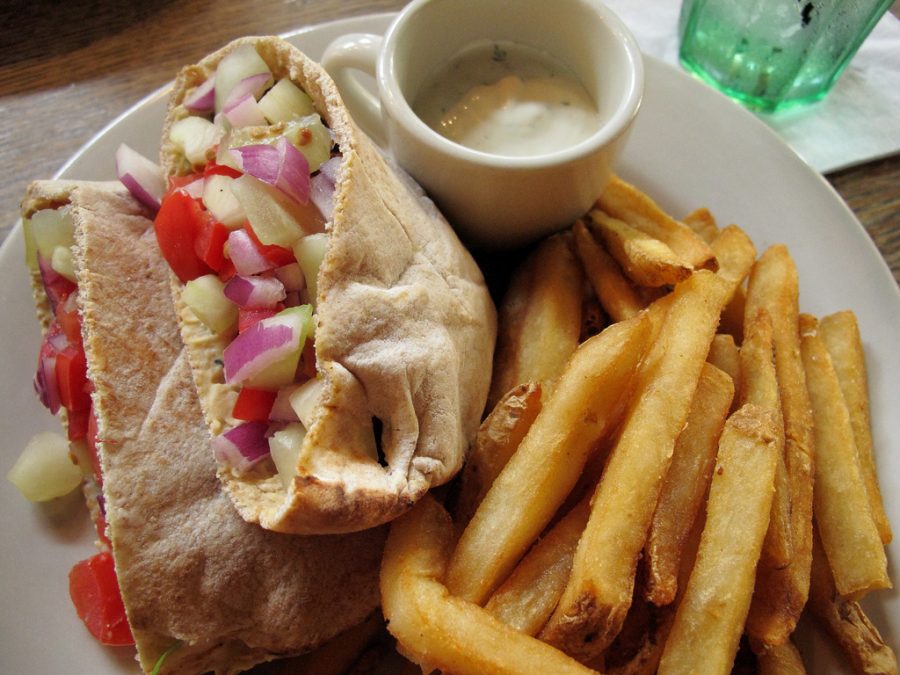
(691, 147)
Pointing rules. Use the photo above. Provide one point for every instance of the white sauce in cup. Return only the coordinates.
(507, 99)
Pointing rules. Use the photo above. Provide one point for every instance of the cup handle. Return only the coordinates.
(347, 54)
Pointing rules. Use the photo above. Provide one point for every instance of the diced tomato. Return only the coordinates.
(227, 270)
(71, 378)
(210, 242)
(68, 319)
(56, 286)
(213, 169)
(91, 439)
(278, 255)
(248, 317)
(94, 590)
(254, 405)
(177, 227)
(78, 424)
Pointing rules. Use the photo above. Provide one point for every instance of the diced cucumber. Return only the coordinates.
(206, 298)
(44, 471)
(221, 202)
(52, 228)
(285, 448)
(234, 67)
(309, 252)
(285, 101)
(274, 217)
(305, 399)
(62, 262)
(195, 137)
(308, 134)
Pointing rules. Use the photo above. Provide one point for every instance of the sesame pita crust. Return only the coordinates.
(405, 334)
(189, 567)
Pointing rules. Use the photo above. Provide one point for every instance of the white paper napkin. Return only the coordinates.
(859, 120)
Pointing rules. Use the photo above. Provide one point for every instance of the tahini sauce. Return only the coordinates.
(508, 99)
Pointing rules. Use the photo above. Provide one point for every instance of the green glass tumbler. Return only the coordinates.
(774, 54)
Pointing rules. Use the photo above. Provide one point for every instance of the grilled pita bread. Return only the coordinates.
(405, 335)
(189, 568)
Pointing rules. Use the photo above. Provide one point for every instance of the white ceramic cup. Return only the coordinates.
(493, 200)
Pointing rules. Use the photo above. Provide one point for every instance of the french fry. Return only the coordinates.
(685, 484)
(593, 320)
(645, 260)
(703, 222)
(735, 252)
(442, 631)
(840, 334)
(710, 618)
(845, 622)
(599, 591)
(496, 441)
(724, 355)
(626, 202)
(586, 403)
(845, 523)
(733, 315)
(759, 385)
(783, 659)
(526, 599)
(781, 592)
(540, 318)
(618, 297)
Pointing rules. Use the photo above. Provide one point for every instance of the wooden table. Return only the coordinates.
(67, 69)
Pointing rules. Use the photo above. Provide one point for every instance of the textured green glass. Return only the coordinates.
(774, 54)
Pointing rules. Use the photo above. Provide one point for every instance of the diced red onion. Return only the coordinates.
(282, 411)
(245, 112)
(258, 347)
(45, 384)
(194, 188)
(55, 284)
(281, 165)
(245, 255)
(330, 169)
(291, 276)
(143, 178)
(257, 292)
(203, 99)
(321, 193)
(252, 85)
(293, 299)
(243, 446)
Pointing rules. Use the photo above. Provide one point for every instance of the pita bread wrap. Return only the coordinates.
(189, 568)
(404, 333)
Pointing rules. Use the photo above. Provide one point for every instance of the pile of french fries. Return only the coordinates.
(645, 496)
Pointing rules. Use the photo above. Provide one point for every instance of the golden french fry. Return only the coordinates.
(496, 441)
(526, 599)
(732, 321)
(781, 592)
(593, 320)
(627, 203)
(645, 260)
(843, 516)
(759, 385)
(841, 335)
(685, 484)
(724, 355)
(710, 618)
(735, 252)
(783, 659)
(618, 297)
(599, 591)
(703, 222)
(539, 319)
(586, 403)
(440, 630)
(845, 622)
